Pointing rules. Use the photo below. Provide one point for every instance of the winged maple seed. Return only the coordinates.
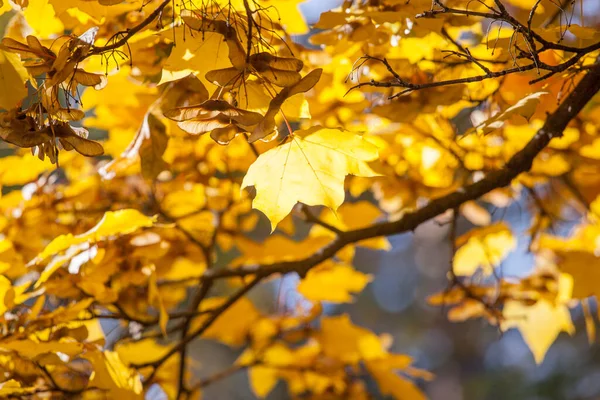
(221, 119)
(43, 125)
(279, 71)
(39, 59)
(268, 124)
(22, 129)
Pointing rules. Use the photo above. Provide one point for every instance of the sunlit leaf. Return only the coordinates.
(310, 168)
(332, 282)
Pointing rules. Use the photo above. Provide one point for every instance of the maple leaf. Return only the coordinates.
(347, 342)
(310, 168)
(484, 247)
(113, 376)
(233, 325)
(352, 216)
(541, 323)
(18, 170)
(218, 117)
(115, 223)
(391, 383)
(267, 125)
(332, 282)
(41, 17)
(13, 388)
(198, 55)
(148, 146)
(584, 268)
(12, 80)
(525, 107)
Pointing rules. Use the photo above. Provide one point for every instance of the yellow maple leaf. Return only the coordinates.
(145, 351)
(196, 55)
(527, 4)
(41, 17)
(76, 15)
(12, 388)
(582, 32)
(525, 107)
(390, 383)
(112, 375)
(5, 6)
(352, 216)
(290, 16)
(310, 168)
(584, 268)
(541, 323)
(275, 248)
(155, 298)
(287, 13)
(484, 247)
(113, 223)
(6, 292)
(333, 282)
(18, 170)
(12, 80)
(233, 325)
(342, 340)
(262, 380)
(31, 349)
(278, 361)
(122, 104)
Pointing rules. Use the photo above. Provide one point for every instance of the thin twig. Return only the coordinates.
(130, 32)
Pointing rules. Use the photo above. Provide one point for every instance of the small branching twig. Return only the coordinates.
(129, 33)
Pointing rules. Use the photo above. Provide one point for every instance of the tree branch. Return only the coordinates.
(130, 32)
(205, 325)
(531, 38)
(519, 163)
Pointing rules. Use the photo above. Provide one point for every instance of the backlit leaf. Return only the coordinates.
(310, 168)
(12, 80)
(332, 282)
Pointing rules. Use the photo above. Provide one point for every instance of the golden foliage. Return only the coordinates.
(187, 117)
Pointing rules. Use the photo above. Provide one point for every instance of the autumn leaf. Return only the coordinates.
(148, 145)
(154, 297)
(352, 216)
(310, 168)
(333, 282)
(346, 342)
(41, 17)
(391, 383)
(115, 223)
(484, 247)
(525, 107)
(208, 52)
(267, 125)
(113, 376)
(234, 324)
(11, 388)
(12, 80)
(541, 323)
(18, 170)
(31, 349)
(6, 293)
(584, 268)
